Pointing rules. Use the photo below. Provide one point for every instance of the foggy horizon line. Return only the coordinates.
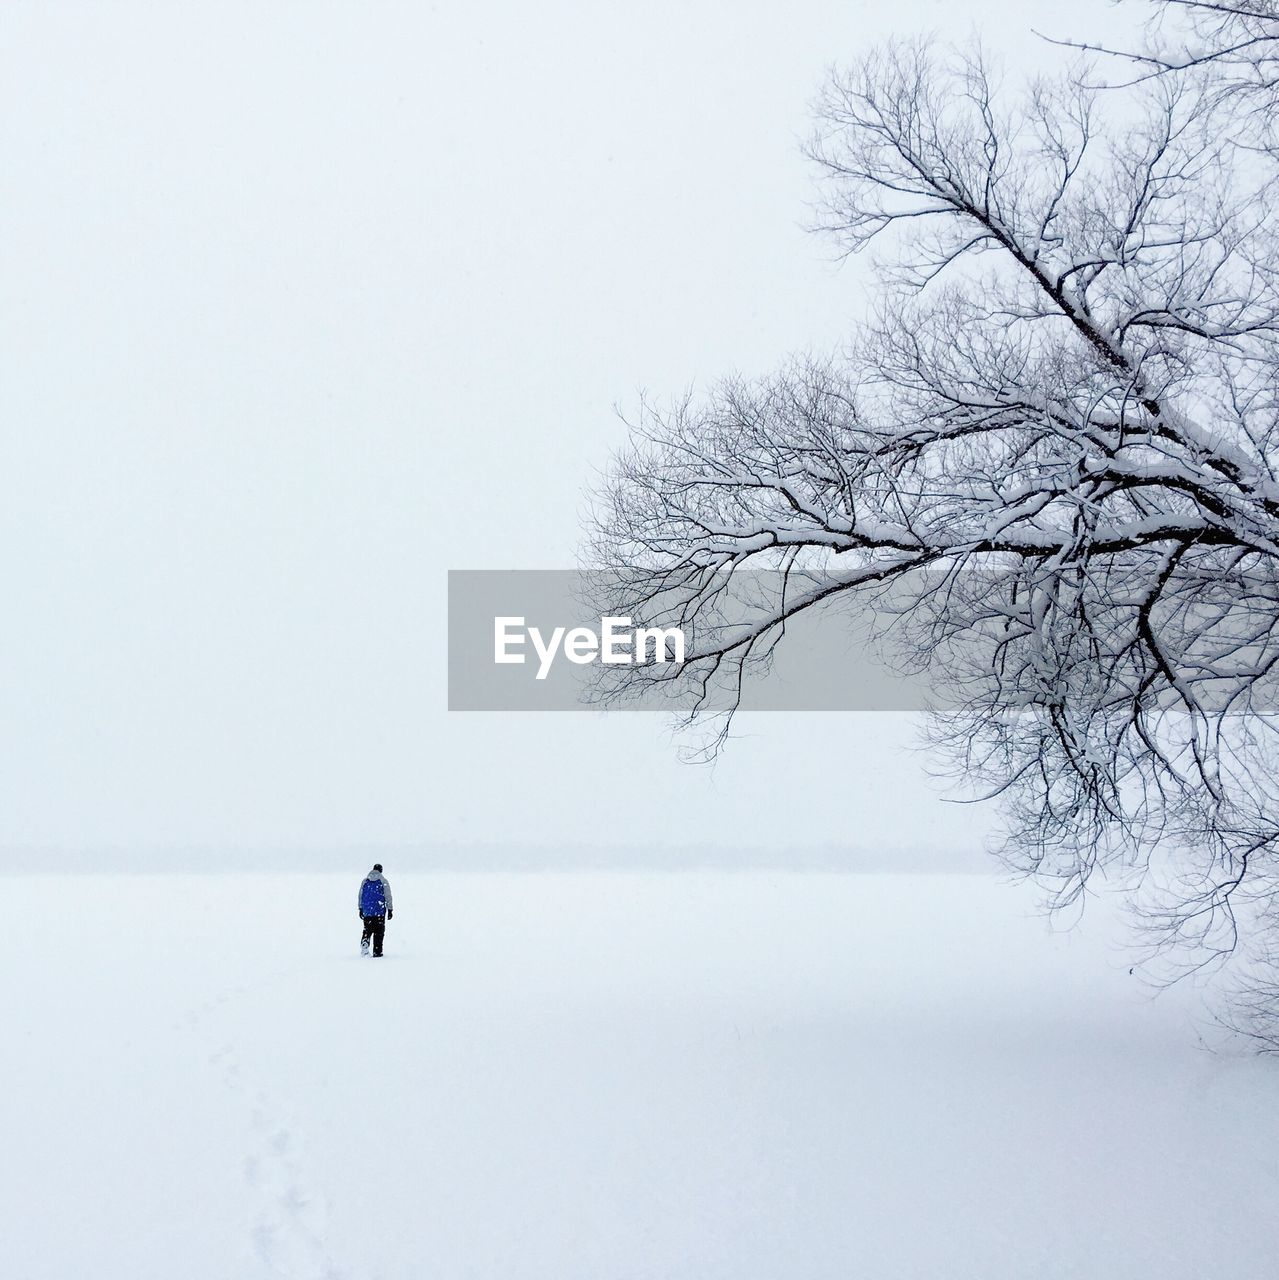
(461, 856)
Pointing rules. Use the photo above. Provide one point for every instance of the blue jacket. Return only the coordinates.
(375, 895)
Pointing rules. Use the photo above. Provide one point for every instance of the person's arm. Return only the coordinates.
(386, 884)
(359, 901)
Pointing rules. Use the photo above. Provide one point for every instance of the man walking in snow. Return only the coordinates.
(375, 909)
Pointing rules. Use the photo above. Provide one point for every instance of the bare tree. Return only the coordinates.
(1048, 459)
(1242, 35)
(1235, 41)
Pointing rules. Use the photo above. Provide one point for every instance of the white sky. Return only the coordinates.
(305, 304)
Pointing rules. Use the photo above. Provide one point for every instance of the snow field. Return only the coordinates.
(612, 1075)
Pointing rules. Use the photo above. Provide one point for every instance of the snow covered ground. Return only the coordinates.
(609, 1075)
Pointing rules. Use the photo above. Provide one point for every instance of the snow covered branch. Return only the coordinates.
(1054, 439)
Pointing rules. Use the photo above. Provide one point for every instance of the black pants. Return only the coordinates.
(375, 931)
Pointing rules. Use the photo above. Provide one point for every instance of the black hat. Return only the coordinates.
(377, 866)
